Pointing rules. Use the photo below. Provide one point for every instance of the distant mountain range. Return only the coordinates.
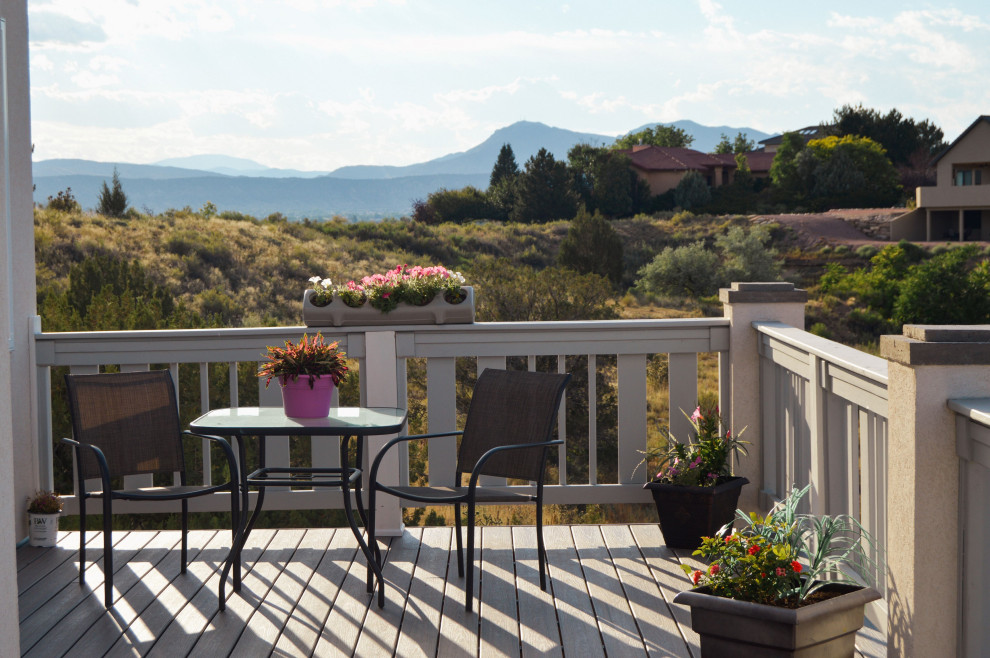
(361, 192)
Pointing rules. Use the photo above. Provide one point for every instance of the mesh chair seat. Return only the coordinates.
(128, 424)
(441, 494)
(507, 434)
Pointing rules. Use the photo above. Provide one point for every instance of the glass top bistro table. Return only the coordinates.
(261, 422)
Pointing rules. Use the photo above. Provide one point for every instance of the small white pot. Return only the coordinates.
(43, 529)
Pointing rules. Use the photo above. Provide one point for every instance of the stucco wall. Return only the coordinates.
(974, 148)
(661, 181)
(18, 455)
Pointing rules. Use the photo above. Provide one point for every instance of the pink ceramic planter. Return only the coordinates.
(301, 401)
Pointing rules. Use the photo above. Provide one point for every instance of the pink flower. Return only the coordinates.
(781, 571)
(696, 416)
(696, 462)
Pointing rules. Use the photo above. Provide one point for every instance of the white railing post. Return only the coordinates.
(746, 303)
(382, 389)
(928, 366)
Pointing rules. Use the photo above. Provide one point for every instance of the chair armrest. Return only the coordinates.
(101, 461)
(475, 473)
(224, 444)
(373, 473)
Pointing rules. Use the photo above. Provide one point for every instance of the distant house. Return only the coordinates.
(771, 144)
(957, 208)
(663, 167)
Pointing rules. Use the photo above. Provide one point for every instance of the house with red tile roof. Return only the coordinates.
(663, 167)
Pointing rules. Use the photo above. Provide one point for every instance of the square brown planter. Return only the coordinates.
(729, 628)
(689, 513)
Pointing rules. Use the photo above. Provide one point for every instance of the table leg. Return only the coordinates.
(234, 558)
(349, 513)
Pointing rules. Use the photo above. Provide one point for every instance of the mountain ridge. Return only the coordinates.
(357, 191)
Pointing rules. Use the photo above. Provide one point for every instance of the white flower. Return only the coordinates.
(314, 279)
(326, 283)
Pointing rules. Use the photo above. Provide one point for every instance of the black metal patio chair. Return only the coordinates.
(507, 434)
(128, 424)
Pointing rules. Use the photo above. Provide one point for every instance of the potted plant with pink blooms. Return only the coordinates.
(693, 486)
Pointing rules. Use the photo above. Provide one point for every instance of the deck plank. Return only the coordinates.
(303, 629)
(339, 635)
(653, 618)
(499, 629)
(458, 627)
(59, 604)
(666, 571)
(615, 618)
(381, 627)
(195, 612)
(132, 603)
(225, 629)
(579, 632)
(91, 609)
(269, 618)
(539, 634)
(420, 632)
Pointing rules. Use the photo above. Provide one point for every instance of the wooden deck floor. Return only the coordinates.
(609, 594)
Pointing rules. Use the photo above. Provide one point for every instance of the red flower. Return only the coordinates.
(753, 550)
(714, 569)
(796, 566)
(763, 574)
(695, 577)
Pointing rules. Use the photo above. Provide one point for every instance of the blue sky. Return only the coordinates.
(319, 84)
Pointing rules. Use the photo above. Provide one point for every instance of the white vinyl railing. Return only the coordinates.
(824, 417)
(973, 448)
(623, 345)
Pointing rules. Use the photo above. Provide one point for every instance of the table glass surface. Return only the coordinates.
(353, 421)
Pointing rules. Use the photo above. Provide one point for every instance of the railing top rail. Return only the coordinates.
(860, 363)
(976, 409)
(666, 323)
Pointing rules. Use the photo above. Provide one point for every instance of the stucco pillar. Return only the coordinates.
(928, 365)
(962, 224)
(744, 304)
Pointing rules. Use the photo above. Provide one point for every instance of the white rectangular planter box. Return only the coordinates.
(339, 314)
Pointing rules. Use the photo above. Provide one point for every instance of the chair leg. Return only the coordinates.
(82, 539)
(469, 583)
(540, 547)
(107, 552)
(184, 552)
(460, 541)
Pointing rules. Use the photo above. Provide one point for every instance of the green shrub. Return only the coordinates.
(746, 256)
(112, 202)
(692, 271)
(866, 251)
(819, 329)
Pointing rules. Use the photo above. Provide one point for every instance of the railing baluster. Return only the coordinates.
(592, 419)
(441, 406)
(632, 415)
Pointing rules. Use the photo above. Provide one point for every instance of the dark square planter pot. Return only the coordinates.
(689, 513)
(730, 628)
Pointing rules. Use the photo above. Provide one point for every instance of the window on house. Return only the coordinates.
(968, 177)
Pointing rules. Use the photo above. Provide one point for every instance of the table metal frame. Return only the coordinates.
(346, 423)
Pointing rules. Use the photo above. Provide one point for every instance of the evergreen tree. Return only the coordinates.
(592, 246)
(112, 202)
(505, 168)
(544, 191)
(692, 191)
